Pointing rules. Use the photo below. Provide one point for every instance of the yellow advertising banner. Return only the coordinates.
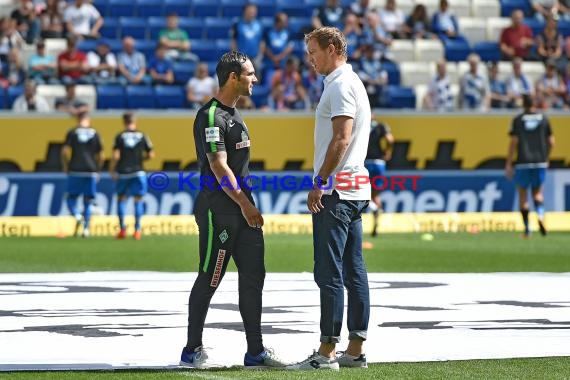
(285, 224)
(282, 141)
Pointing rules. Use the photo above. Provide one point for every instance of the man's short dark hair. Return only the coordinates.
(231, 62)
(128, 118)
(527, 101)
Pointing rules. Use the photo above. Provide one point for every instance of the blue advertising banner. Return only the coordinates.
(286, 192)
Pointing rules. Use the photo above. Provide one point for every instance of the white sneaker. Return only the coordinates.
(346, 360)
(85, 233)
(314, 361)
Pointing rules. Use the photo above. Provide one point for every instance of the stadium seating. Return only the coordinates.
(183, 71)
(12, 93)
(260, 96)
(508, 6)
(488, 50)
(485, 8)
(110, 28)
(2, 98)
(121, 8)
(403, 50)
(181, 7)
(456, 49)
(148, 8)
(133, 26)
(428, 50)
(474, 29)
(170, 96)
(401, 97)
(140, 97)
(111, 97)
(205, 8)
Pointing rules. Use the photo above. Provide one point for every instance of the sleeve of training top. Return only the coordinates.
(97, 142)
(211, 133)
(514, 131)
(547, 129)
(343, 103)
(118, 142)
(69, 138)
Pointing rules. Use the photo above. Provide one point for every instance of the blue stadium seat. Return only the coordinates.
(115, 45)
(206, 8)
(217, 27)
(260, 95)
(401, 97)
(102, 6)
(147, 47)
(265, 8)
(149, 8)
(183, 71)
(110, 28)
(133, 26)
(294, 8)
(314, 3)
(110, 97)
(193, 26)
(170, 96)
(564, 28)
(232, 8)
(122, 8)
(87, 45)
(488, 51)
(508, 6)
(155, 25)
(12, 93)
(535, 25)
(140, 97)
(181, 7)
(456, 49)
(296, 25)
(299, 49)
(2, 98)
(223, 45)
(205, 49)
(393, 72)
(212, 68)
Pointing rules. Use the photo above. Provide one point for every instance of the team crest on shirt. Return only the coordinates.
(212, 134)
(245, 141)
(84, 134)
(224, 236)
(131, 139)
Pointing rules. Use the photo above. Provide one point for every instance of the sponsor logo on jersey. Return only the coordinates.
(212, 134)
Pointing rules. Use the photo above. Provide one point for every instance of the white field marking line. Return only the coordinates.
(194, 373)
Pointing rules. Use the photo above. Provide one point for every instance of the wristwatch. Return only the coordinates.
(319, 181)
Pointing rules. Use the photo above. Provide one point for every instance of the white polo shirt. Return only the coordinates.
(344, 95)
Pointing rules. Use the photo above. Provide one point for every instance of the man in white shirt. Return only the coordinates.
(29, 101)
(83, 19)
(474, 90)
(340, 193)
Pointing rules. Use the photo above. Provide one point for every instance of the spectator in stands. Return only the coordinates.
(245, 103)
(330, 14)
(51, 20)
(201, 87)
(392, 19)
(550, 88)
(549, 41)
(278, 44)
(417, 24)
(439, 96)
(82, 19)
(543, 9)
(277, 100)
(295, 94)
(247, 35)
(42, 67)
(103, 64)
(497, 87)
(375, 34)
(567, 84)
(474, 90)
(9, 38)
(12, 73)
(354, 36)
(132, 64)
(444, 23)
(26, 21)
(516, 40)
(373, 76)
(72, 64)
(30, 101)
(160, 67)
(360, 8)
(314, 84)
(70, 103)
(518, 85)
(176, 40)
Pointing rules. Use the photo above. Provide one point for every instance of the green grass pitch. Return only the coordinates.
(451, 253)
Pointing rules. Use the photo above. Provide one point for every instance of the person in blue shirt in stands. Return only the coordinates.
(278, 41)
(160, 68)
(247, 35)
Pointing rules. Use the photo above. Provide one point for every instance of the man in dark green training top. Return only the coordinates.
(228, 221)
